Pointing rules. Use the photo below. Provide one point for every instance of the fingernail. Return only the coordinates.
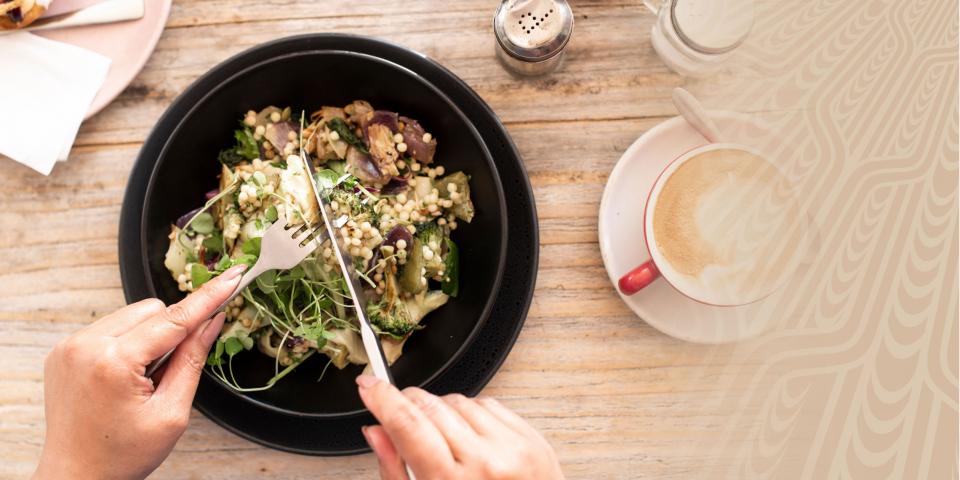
(233, 272)
(367, 381)
(211, 330)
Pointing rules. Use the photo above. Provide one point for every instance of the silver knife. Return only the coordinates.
(371, 342)
(108, 11)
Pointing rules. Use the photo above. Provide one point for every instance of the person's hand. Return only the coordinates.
(451, 436)
(105, 419)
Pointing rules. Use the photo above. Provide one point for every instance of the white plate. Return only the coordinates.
(622, 242)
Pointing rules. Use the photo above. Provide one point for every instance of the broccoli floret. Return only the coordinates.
(391, 320)
(361, 208)
(349, 199)
(404, 316)
(431, 237)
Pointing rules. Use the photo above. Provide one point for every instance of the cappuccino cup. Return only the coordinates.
(722, 226)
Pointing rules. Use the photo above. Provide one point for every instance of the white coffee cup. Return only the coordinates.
(722, 226)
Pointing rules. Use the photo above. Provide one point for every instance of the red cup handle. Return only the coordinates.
(638, 278)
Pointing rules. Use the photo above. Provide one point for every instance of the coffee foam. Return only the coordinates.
(727, 226)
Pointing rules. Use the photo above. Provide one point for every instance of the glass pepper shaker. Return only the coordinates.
(531, 34)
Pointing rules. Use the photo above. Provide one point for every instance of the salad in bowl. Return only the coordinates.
(402, 209)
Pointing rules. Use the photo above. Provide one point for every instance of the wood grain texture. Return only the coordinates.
(616, 398)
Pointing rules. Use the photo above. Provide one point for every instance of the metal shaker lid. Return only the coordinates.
(712, 26)
(533, 30)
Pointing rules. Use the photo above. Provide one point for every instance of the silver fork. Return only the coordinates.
(280, 249)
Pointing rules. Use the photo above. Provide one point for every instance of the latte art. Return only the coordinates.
(727, 225)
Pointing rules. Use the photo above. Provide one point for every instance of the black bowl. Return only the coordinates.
(340, 434)
(187, 167)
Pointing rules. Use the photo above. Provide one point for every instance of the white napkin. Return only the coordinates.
(45, 89)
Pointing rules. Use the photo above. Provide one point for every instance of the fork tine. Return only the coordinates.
(301, 234)
(310, 246)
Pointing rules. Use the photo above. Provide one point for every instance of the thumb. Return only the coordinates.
(179, 382)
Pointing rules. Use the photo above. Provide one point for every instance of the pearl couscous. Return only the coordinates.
(378, 169)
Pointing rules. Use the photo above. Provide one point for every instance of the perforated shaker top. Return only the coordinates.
(533, 30)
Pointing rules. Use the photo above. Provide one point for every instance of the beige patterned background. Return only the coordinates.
(858, 378)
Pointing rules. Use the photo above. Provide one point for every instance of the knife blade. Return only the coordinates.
(371, 342)
(108, 11)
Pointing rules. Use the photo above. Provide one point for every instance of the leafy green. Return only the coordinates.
(346, 134)
(315, 332)
(246, 258)
(251, 246)
(223, 264)
(451, 270)
(326, 179)
(295, 273)
(267, 281)
(199, 275)
(214, 242)
(233, 346)
(338, 166)
(214, 358)
(202, 223)
(246, 148)
(271, 214)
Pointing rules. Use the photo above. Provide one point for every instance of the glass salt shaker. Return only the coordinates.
(531, 34)
(694, 37)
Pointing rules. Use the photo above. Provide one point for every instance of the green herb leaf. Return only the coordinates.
(267, 281)
(199, 275)
(247, 259)
(251, 246)
(329, 335)
(451, 270)
(327, 179)
(338, 166)
(246, 148)
(233, 346)
(214, 242)
(295, 273)
(214, 358)
(313, 331)
(202, 223)
(258, 223)
(223, 264)
(346, 134)
(271, 214)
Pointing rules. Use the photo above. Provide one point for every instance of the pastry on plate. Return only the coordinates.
(20, 13)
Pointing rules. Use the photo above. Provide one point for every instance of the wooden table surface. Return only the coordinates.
(616, 398)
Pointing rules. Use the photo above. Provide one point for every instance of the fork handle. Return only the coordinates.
(248, 277)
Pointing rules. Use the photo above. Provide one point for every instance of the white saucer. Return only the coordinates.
(622, 239)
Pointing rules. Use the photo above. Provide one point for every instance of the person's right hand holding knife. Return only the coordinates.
(452, 436)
